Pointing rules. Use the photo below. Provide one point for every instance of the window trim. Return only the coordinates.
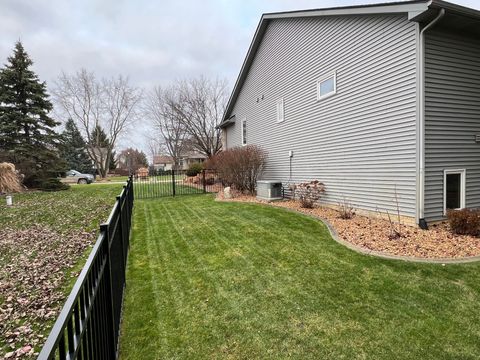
(280, 102)
(322, 79)
(463, 185)
(244, 124)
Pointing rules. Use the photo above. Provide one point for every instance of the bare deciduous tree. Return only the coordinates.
(107, 103)
(162, 108)
(202, 104)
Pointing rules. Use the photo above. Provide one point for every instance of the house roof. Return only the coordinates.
(162, 159)
(417, 10)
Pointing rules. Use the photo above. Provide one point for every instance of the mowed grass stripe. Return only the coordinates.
(242, 281)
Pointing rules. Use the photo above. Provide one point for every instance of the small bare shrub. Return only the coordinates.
(239, 167)
(464, 222)
(345, 209)
(308, 193)
(395, 228)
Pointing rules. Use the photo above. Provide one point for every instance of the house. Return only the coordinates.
(162, 162)
(378, 102)
(189, 157)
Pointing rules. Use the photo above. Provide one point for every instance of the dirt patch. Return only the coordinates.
(35, 266)
(373, 234)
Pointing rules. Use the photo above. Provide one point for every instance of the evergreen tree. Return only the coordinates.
(113, 161)
(74, 149)
(99, 138)
(27, 134)
(99, 144)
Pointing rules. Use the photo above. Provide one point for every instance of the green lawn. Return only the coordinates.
(146, 190)
(215, 280)
(44, 240)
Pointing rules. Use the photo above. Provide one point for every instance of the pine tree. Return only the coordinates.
(27, 133)
(113, 161)
(99, 138)
(100, 144)
(74, 149)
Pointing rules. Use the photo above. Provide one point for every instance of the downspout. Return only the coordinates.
(421, 119)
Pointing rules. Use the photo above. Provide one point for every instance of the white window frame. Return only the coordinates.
(280, 110)
(322, 79)
(463, 176)
(244, 124)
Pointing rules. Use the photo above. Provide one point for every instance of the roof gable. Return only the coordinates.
(416, 10)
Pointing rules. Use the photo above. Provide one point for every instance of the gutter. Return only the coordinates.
(421, 122)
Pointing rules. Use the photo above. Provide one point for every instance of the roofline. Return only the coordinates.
(395, 7)
(412, 8)
(379, 8)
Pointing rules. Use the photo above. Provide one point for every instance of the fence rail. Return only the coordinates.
(88, 325)
(176, 182)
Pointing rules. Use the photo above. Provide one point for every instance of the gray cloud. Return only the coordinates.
(153, 42)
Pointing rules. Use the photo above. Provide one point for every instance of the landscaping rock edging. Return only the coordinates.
(387, 256)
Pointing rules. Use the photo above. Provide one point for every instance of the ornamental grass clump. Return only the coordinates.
(10, 179)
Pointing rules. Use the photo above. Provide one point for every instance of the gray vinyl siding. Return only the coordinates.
(360, 142)
(452, 116)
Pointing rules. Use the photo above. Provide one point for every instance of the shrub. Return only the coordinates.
(465, 221)
(239, 167)
(308, 193)
(10, 179)
(194, 169)
(345, 209)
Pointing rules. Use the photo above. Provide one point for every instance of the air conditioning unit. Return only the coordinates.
(269, 190)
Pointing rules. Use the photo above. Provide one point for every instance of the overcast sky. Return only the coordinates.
(153, 42)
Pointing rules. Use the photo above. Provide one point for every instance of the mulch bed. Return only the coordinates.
(35, 265)
(374, 234)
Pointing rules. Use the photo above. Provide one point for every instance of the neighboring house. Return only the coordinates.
(188, 158)
(371, 100)
(162, 162)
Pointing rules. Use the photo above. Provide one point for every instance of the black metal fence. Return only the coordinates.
(176, 182)
(89, 323)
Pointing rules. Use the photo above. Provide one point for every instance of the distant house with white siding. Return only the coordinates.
(371, 100)
(162, 162)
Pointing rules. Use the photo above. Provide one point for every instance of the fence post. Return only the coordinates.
(204, 182)
(105, 228)
(173, 181)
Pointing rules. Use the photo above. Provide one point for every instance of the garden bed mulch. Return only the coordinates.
(373, 234)
(36, 264)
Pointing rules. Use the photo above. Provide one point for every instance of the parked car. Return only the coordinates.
(75, 177)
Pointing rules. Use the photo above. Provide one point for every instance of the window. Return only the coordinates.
(453, 189)
(327, 86)
(280, 110)
(244, 132)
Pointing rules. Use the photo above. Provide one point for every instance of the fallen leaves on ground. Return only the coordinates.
(37, 262)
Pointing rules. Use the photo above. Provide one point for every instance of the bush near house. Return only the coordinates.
(194, 169)
(240, 167)
(465, 221)
(308, 193)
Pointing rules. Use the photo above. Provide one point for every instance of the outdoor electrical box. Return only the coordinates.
(269, 190)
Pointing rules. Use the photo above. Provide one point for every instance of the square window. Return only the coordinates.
(327, 86)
